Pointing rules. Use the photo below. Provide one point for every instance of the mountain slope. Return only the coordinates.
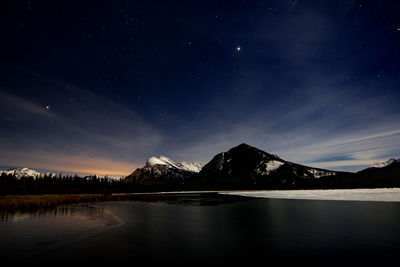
(163, 171)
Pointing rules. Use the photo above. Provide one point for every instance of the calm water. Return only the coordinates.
(270, 231)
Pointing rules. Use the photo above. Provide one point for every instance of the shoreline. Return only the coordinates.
(356, 194)
(27, 203)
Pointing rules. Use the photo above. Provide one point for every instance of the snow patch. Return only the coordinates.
(190, 166)
(220, 163)
(168, 161)
(266, 167)
(384, 163)
(273, 165)
(320, 173)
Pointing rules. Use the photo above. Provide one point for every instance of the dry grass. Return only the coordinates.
(35, 202)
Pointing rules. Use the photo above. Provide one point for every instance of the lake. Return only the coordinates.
(199, 229)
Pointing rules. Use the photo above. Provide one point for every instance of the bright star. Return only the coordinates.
(238, 48)
(47, 107)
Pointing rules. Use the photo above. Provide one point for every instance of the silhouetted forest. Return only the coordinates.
(67, 184)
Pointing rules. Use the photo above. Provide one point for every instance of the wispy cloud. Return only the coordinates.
(314, 131)
(85, 132)
(14, 107)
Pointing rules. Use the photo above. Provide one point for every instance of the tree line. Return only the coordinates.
(62, 184)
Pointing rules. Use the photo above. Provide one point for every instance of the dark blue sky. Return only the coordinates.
(97, 87)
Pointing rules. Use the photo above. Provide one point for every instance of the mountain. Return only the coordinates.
(163, 171)
(385, 163)
(380, 174)
(25, 172)
(246, 167)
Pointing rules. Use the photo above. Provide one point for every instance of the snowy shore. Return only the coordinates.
(375, 194)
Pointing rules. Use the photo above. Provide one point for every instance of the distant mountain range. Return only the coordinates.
(241, 167)
(26, 172)
(247, 167)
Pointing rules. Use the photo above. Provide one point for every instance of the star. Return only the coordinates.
(47, 107)
(238, 49)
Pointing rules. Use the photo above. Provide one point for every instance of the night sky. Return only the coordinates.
(100, 86)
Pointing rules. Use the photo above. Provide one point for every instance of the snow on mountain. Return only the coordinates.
(245, 166)
(384, 163)
(167, 162)
(317, 173)
(266, 167)
(25, 172)
(162, 170)
(155, 161)
(190, 166)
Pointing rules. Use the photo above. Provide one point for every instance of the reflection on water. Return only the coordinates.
(75, 212)
(23, 235)
(201, 230)
(268, 231)
(19, 216)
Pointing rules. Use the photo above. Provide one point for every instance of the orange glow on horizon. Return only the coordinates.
(79, 164)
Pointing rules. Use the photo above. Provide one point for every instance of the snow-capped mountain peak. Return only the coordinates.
(25, 172)
(163, 170)
(155, 161)
(167, 162)
(384, 163)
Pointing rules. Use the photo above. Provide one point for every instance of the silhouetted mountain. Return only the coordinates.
(242, 167)
(382, 174)
(246, 167)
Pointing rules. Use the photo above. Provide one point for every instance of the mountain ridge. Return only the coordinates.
(245, 166)
(241, 167)
(163, 170)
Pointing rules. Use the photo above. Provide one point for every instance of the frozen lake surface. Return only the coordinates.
(204, 229)
(375, 194)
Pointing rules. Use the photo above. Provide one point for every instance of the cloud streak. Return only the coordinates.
(94, 136)
(14, 107)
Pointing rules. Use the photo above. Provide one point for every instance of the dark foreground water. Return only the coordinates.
(196, 232)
